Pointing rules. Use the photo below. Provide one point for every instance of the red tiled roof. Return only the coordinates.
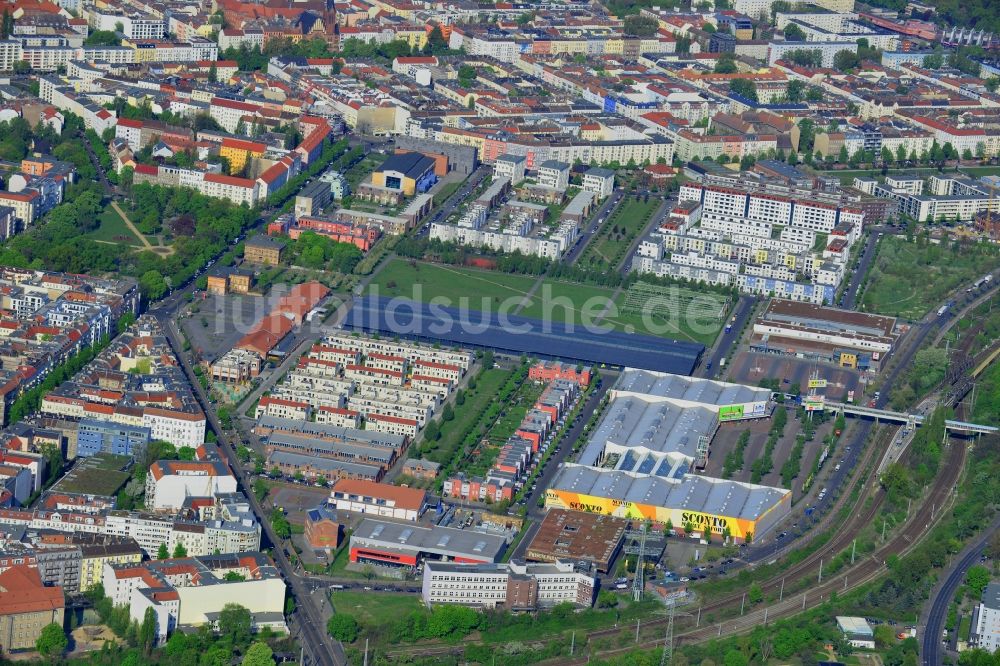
(22, 591)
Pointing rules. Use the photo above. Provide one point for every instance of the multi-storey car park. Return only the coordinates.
(640, 461)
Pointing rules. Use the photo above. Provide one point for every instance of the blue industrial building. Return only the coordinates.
(520, 335)
(93, 436)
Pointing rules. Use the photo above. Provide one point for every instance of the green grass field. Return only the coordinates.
(113, 229)
(357, 173)
(568, 302)
(617, 232)
(374, 609)
(488, 384)
(671, 312)
(423, 281)
(446, 191)
(501, 430)
(910, 279)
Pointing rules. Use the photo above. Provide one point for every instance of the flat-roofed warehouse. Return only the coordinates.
(406, 545)
(637, 462)
(576, 536)
(519, 335)
(849, 339)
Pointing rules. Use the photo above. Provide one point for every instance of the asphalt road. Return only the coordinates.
(456, 199)
(936, 612)
(307, 619)
(727, 341)
(850, 296)
(586, 234)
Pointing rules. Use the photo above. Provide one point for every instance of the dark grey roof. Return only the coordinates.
(411, 165)
(521, 335)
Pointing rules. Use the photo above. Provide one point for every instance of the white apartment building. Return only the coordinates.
(178, 428)
(511, 167)
(230, 37)
(513, 585)
(414, 352)
(192, 591)
(986, 620)
(827, 50)
(393, 425)
(135, 25)
(283, 408)
(550, 245)
(599, 181)
(237, 190)
(114, 55)
(554, 174)
(170, 482)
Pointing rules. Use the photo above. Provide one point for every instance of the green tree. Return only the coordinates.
(726, 64)
(152, 285)
(162, 553)
(52, 642)
(432, 432)
(258, 654)
(745, 88)
(102, 38)
(180, 550)
(977, 578)
(793, 33)
(279, 523)
(846, 60)
(147, 630)
(6, 25)
(795, 91)
(640, 26)
(342, 627)
(235, 623)
(755, 594)
(466, 76)
(934, 61)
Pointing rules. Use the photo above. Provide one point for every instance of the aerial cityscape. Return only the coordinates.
(492, 333)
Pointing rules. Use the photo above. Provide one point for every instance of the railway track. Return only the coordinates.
(866, 570)
(869, 499)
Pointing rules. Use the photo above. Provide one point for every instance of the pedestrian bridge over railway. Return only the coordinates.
(903, 417)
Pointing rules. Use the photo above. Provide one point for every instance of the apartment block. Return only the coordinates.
(516, 586)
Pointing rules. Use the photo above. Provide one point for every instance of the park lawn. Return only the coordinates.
(399, 277)
(908, 280)
(630, 218)
(551, 299)
(631, 322)
(377, 609)
(674, 326)
(477, 400)
(446, 191)
(502, 429)
(113, 230)
(357, 173)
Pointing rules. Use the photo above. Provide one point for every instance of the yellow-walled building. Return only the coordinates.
(95, 556)
(408, 173)
(239, 152)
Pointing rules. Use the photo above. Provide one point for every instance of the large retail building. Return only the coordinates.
(640, 461)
